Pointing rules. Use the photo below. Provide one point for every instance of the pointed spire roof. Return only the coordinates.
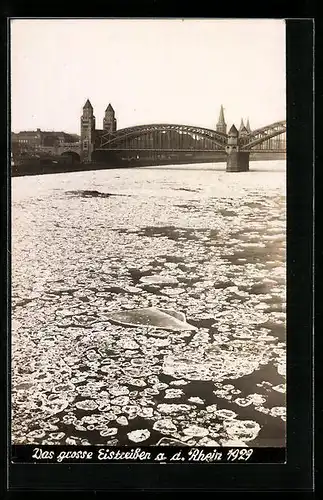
(233, 132)
(110, 108)
(221, 116)
(241, 125)
(248, 126)
(87, 105)
(243, 130)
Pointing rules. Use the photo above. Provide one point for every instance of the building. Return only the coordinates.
(35, 140)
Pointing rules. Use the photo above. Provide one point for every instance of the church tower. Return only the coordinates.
(109, 120)
(241, 125)
(221, 126)
(248, 126)
(243, 131)
(87, 132)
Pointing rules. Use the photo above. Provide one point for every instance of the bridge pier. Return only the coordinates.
(238, 161)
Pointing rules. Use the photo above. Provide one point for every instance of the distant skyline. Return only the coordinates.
(150, 70)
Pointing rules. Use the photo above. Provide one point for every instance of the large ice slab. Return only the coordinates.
(152, 317)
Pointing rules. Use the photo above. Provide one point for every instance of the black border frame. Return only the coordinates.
(297, 474)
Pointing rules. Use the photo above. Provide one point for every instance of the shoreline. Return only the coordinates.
(43, 169)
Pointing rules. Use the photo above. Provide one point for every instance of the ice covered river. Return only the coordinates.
(188, 238)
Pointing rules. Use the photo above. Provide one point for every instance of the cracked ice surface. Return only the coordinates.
(193, 239)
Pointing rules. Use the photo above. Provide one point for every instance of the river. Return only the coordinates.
(81, 244)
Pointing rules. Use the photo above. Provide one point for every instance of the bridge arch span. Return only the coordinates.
(115, 140)
(75, 157)
(263, 134)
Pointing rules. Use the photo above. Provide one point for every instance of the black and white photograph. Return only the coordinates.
(148, 234)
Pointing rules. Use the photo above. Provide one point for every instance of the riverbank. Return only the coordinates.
(39, 168)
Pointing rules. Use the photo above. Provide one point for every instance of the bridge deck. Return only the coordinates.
(174, 150)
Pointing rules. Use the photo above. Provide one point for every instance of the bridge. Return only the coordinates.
(168, 143)
(171, 138)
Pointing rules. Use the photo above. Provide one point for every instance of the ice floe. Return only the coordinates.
(246, 430)
(151, 317)
(138, 435)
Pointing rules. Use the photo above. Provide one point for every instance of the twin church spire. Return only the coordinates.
(221, 126)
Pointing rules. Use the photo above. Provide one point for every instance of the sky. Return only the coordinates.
(151, 71)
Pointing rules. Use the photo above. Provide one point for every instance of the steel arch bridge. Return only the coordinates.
(174, 137)
(165, 137)
(263, 135)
